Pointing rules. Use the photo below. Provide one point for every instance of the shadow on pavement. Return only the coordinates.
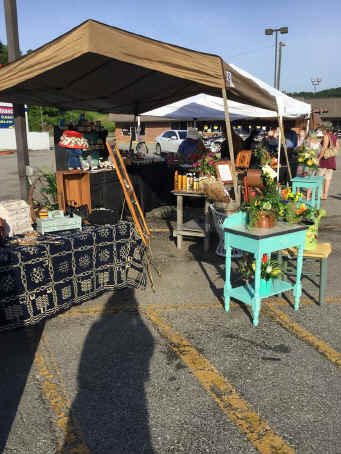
(17, 353)
(216, 281)
(110, 407)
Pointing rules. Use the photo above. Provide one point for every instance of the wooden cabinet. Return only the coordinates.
(73, 188)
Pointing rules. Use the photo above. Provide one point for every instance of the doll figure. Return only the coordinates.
(75, 143)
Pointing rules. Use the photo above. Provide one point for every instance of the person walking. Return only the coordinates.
(327, 165)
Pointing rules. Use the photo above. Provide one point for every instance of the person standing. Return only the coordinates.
(327, 165)
(190, 145)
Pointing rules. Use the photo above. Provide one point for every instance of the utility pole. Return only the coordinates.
(18, 109)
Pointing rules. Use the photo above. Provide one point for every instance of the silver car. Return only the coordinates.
(169, 141)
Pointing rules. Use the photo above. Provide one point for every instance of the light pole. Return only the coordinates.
(281, 45)
(316, 82)
(270, 31)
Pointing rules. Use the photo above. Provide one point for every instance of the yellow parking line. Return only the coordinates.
(302, 334)
(54, 392)
(231, 403)
(101, 309)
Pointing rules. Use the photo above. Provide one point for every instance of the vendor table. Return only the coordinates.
(67, 268)
(315, 183)
(192, 227)
(261, 241)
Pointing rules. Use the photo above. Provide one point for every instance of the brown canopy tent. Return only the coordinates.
(106, 69)
(102, 68)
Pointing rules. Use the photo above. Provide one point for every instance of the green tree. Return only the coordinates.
(3, 54)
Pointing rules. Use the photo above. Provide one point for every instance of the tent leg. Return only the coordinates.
(280, 122)
(229, 140)
(132, 133)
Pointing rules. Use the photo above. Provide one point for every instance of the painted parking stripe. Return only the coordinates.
(101, 309)
(54, 391)
(259, 433)
(302, 334)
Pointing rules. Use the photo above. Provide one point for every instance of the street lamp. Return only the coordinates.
(270, 31)
(316, 82)
(281, 45)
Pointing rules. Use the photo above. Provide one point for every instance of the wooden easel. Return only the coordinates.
(129, 194)
(132, 202)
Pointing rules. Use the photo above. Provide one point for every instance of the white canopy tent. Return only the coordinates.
(287, 107)
(207, 107)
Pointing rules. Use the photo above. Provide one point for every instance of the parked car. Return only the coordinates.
(169, 141)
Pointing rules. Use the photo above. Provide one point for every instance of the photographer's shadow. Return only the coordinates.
(110, 407)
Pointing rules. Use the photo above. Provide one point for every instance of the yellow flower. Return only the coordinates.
(253, 266)
(300, 159)
(309, 162)
(276, 272)
(297, 198)
(303, 206)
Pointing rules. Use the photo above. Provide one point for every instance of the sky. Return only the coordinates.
(233, 30)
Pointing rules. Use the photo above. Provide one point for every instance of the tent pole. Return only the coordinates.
(229, 139)
(279, 152)
(280, 122)
(132, 133)
(18, 109)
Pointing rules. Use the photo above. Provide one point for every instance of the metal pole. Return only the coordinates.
(281, 45)
(18, 109)
(276, 39)
(229, 140)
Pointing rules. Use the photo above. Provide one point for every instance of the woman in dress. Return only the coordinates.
(327, 166)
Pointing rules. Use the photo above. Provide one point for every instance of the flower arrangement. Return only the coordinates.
(203, 162)
(270, 268)
(307, 157)
(265, 158)
(268, 202)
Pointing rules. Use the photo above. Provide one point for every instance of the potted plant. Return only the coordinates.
(266, 207)
(310, 217)
(271, 271)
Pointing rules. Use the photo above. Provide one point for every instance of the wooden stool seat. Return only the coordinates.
(321, 254)
(322, 251)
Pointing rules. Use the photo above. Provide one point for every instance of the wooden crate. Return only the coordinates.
(73, 187)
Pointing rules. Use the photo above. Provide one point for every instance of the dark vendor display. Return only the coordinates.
(54, 272)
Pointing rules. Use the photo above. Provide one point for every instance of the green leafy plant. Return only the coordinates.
(264, 158)
(48, 188)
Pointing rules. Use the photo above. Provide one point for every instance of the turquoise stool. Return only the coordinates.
(258, 242)
(314, 183)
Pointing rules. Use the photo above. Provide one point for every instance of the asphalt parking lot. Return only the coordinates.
(171, 372)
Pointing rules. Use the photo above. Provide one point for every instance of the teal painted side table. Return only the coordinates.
(259, 242)
(315, 183)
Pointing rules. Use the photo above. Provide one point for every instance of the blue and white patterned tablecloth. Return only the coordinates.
(65, 269)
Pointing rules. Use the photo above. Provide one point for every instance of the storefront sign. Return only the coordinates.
(6, 117)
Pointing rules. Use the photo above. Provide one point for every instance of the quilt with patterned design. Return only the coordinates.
(67, 268)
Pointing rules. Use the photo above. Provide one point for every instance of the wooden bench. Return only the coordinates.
(320, 254)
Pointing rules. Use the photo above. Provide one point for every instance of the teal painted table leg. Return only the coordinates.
(257, 300)
(227, 286)
(323, 279)
(298, 285)
(318, 202)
